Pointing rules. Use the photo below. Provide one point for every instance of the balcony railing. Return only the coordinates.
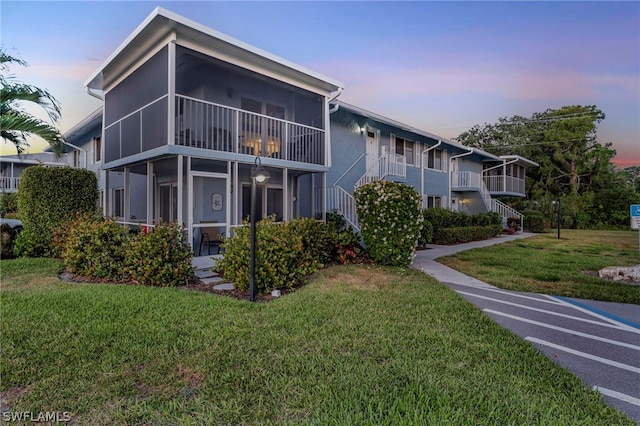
(216, 127)
(506, 184)
(9, 184)
(394, 165)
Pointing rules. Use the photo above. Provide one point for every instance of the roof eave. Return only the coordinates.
(161, 22)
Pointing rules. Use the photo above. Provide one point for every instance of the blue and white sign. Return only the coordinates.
(635, 216)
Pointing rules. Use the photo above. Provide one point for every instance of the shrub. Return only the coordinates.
(282, 259)
(7, 238)
(8, 203)
(513, 223)
(161, 257)
(457, 235)
(96, 248)
(47, 197)
(345, 241)
(390, 216)
(316, 239)
(439, 218)
(426, 235)
(534, 220)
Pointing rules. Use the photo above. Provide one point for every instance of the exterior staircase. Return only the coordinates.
(476, 181)
(388, 165)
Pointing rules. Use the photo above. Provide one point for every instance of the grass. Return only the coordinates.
(546, 264)
(358, 345)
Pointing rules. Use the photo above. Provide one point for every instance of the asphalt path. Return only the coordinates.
(597, 341)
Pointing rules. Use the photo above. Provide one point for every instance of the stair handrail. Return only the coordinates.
(339, 199)
(367, 177)
(349, 169)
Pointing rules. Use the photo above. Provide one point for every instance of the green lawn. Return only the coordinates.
(546, 264)
(358, 345)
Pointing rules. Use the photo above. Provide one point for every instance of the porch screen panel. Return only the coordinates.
(144, 85)
(112, 143)
(154, 125)
(130, 143)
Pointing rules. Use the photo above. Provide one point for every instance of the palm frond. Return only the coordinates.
(15, 125)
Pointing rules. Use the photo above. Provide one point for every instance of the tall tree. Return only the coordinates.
(563, 142)
(15, 123)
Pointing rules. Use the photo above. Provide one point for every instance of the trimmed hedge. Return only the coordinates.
(451, 227)
(391, 220)
(456, 235)
(47, 198)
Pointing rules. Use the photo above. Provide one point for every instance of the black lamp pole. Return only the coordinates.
(258, 175)
(559, 214)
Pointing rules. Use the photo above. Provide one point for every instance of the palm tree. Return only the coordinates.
(15, 123)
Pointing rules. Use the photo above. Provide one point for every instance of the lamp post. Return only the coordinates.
(559, 214)
(258, 175)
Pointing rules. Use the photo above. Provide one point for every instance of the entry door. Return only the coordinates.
(372, 154)
(209, 204)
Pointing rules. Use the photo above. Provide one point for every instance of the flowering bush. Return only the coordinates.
(391, 220)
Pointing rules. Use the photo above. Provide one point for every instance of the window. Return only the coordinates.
(434, 159)
(97, 149)
(434, 201)
(76, 158)
(406, 148)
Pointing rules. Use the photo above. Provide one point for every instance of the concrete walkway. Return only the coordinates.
(425, 259)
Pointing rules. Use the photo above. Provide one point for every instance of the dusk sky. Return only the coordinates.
(439, 66)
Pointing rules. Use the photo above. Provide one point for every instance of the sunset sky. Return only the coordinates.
(438, 66)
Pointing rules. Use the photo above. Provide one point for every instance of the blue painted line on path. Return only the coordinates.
(599, 312)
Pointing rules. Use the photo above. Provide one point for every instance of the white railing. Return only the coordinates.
(9, 184)
(505, 211)
(388, 165)
(503, 183)
(466, 180)
(486, 197)
(217, 127)
(340, 200)
(396, 166)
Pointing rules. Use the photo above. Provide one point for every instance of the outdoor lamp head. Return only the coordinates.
(259, 173)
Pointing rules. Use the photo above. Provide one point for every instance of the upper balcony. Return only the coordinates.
(216, 127)
(496, 186)
(505, 186)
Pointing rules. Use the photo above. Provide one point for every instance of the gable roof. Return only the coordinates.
(161, 23)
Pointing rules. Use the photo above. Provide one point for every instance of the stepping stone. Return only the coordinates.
(225, 286)
(205, 273)
(212, 280)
